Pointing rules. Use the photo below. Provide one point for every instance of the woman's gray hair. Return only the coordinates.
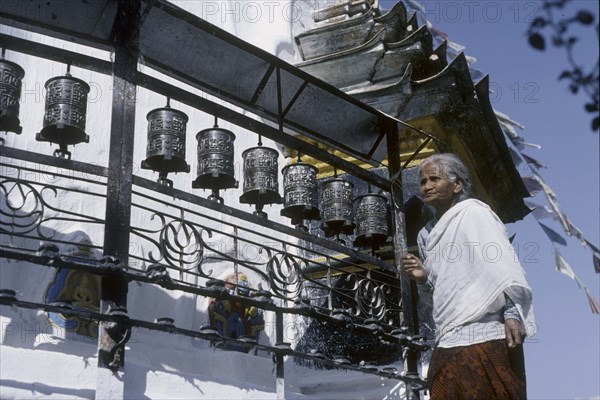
(454, 168)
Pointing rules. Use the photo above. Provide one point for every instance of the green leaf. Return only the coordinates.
(564, 74)
(557, 41)
(539, 22)
(585, 17)
(537, 41)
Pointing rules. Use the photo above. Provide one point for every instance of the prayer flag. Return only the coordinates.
(551, 196)
(532, 185)
(516, 156)
(553, 235)
(509, 131)
(563, 267)
(594, 248)
(533, 161)
(582, 239)
(521, 144)
(505, 119)
(593, 303)
(539, 211)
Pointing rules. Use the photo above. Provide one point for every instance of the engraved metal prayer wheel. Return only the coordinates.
(338, 212)
(215, 161)
(11, 77)
(64, 118)
(165, 151)
(371, 220)
(260, 178)
(300, 200)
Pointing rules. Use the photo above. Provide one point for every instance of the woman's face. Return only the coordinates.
(437, 189)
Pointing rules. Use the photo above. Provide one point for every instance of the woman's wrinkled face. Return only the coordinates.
(436, 188)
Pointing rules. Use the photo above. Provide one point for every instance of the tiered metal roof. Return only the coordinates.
(395, 68)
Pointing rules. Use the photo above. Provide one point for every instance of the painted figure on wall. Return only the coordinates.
(79, 290)
(234, 319)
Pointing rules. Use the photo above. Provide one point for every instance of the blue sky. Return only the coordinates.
(563, 359)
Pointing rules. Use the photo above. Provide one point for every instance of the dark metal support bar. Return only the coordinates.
(409, 316)
(58, 162)
(279, 366)
(412, 157)
(262, 84)
(294, 98)
(55, 54)
(280, 116)
(113, 297)
(122, 130)
(376, 145)
(49, 29)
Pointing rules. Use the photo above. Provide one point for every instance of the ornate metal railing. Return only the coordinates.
(187, 246)
(188, 241)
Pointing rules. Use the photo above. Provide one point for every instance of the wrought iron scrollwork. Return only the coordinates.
(370, 297)
(25, 208)
(187, 246)
(22, 209)
(179, 242)
(182, 244)
(285, 274)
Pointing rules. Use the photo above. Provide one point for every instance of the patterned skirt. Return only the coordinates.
(488, 370)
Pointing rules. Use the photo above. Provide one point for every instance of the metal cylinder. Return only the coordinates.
(260, 176)
(338, 213)
(66, 107)
(372, 227)
(11, 77)
(215, 159)
(300, 200)
(165, 151)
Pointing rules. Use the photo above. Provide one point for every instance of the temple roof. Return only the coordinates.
(413, 82)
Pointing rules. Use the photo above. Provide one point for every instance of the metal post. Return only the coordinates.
(409, 317)
(280, 379)
(113, 300)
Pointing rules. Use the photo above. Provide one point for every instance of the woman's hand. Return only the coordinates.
(414, 268)
(514, 332)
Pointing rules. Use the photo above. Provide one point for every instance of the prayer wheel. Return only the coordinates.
(165, 151)
(260, 178)
(11, 77)
(300, 200)
(215, 161)
(338, 213)
(371, 220)
(65, 115)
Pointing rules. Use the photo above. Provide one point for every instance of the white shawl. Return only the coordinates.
(470, 262)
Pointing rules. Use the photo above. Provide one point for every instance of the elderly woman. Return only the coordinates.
(471, 277)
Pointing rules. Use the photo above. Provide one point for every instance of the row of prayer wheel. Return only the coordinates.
(215, 171)
(64, 124)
